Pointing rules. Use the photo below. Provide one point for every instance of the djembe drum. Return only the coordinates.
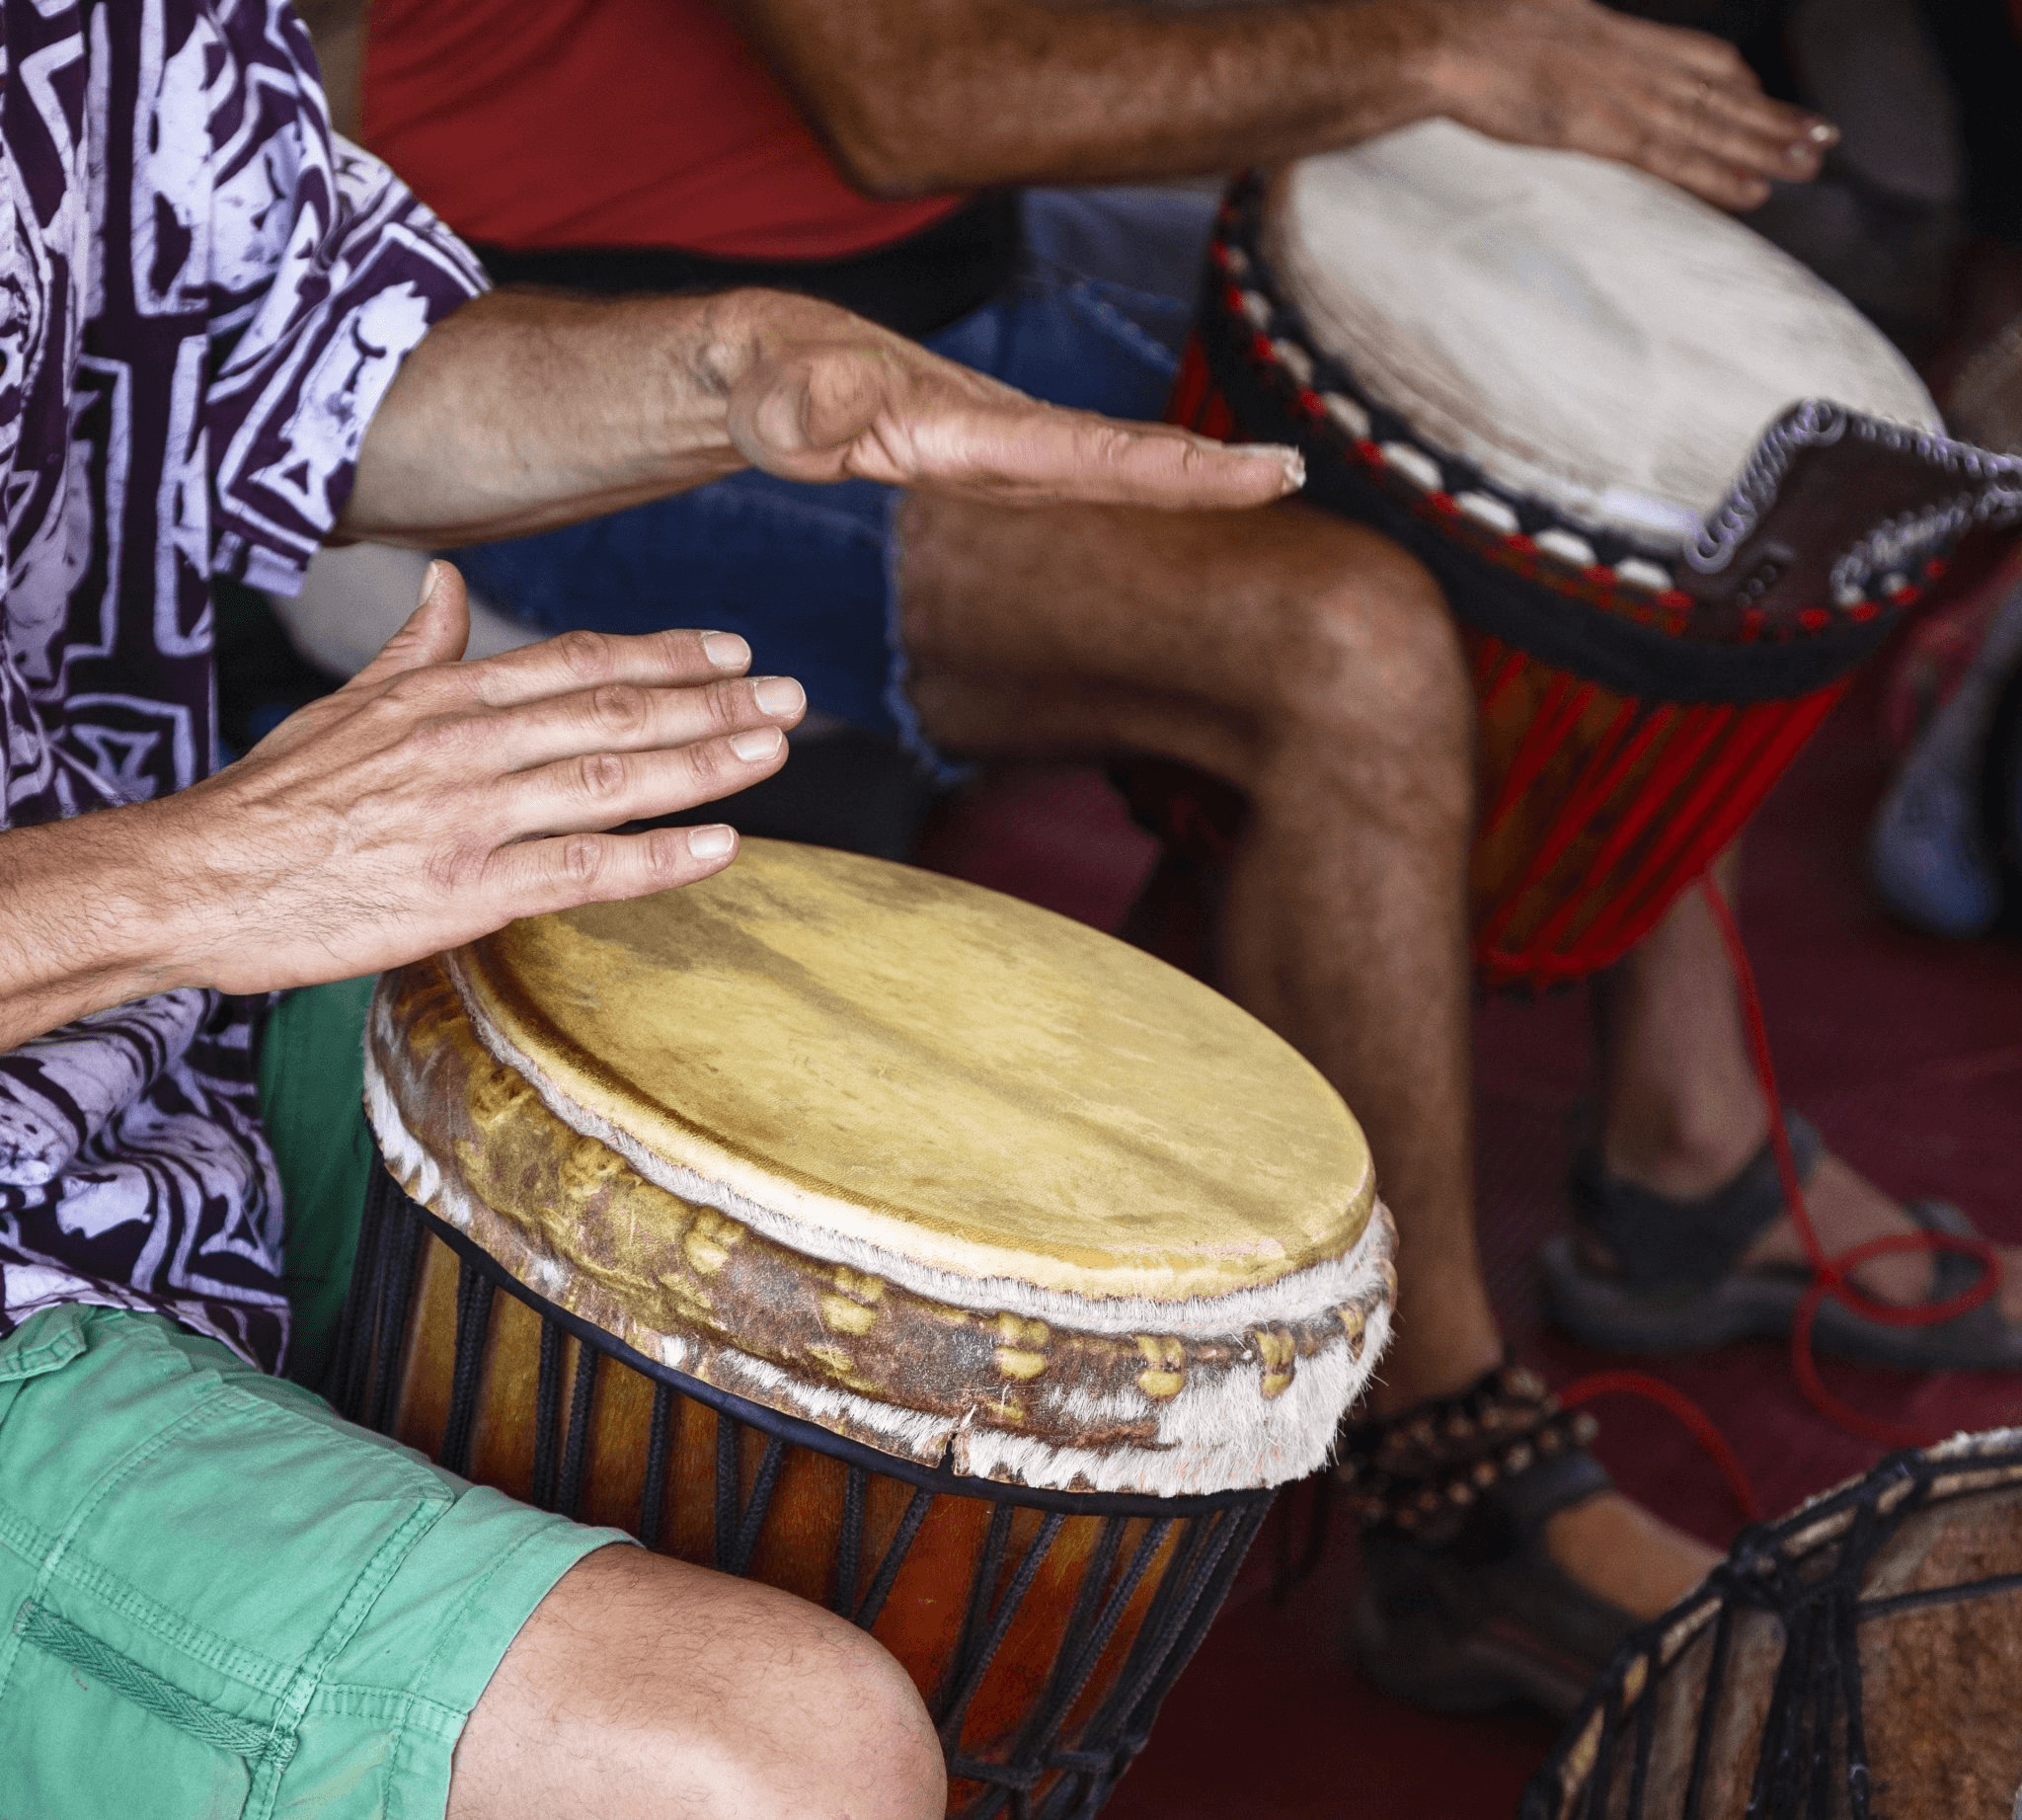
(1673, 486)
(888, 1240)
(1861, 1657)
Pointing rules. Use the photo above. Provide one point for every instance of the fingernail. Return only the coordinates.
(779, 695)
(726, 650)
(430, 576)
(760, 744)
(1823, 132)
(711, 843)
(1288, 459)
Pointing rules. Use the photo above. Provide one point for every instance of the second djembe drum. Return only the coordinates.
(1673, 486)
(891, 1241)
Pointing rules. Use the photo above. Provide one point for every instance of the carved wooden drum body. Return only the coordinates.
(891, 1241)
(1859, 1658)
(1674, 487)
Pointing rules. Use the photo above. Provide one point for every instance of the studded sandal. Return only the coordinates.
(1463, 1607)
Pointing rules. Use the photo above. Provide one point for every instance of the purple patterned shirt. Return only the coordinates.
(204, 295)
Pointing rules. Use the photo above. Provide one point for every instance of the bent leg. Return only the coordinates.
(644, 1689)
(1314, 666)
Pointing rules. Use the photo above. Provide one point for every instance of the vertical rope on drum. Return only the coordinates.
(1604, 1746)
(473, 1326)
(400, 1253)
(576, 1451)
(1646, 1737)
(1564, 702)
(982, 1581)
(901, 1545)
(547, 1415)
(359, 1321)
(850, 1540)
(1049, 1708)
(730, 1434)
(1709, 1710)
(653, 1495)
(966, 1670)
(752, 1522)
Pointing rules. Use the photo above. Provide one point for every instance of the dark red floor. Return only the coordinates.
(1906, 1053)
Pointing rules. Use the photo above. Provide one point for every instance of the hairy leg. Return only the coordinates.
(1683, 1110)
(1315, 666)
(644, 1689)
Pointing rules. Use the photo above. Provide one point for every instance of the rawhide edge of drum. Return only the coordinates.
(1858, 1658)
(942, 1174)
(1629, 436)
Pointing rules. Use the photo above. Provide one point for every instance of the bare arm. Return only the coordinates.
(917, 96)
(527, 410)
(424, 804)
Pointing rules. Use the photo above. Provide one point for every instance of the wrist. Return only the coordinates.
(1430, 43)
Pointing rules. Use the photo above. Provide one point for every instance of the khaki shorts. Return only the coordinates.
(217, 1598)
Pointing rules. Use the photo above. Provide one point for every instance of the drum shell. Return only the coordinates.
(1096, 1620)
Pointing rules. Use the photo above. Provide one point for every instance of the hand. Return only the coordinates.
(826, 397)
(1572, 75)
(430, 802)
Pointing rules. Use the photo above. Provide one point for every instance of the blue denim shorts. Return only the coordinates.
(1095, 320)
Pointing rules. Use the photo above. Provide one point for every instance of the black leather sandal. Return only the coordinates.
(1644, 1273)
(1463, 1607)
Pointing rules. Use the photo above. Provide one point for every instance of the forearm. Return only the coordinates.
(83, 921)
(525, 410)
(917, 96)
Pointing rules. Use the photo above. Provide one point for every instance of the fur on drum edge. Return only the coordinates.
(1216, 1432)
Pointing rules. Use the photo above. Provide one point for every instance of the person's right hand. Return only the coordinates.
(1573, 76)
(429, 802)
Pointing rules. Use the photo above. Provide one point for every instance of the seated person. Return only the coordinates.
(863, 152)
(231, 338)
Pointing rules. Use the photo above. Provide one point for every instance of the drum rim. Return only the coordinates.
(811, 1435)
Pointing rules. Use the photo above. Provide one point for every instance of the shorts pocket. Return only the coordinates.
(88, 1733)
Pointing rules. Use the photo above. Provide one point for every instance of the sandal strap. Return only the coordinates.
(1657, 1243)
(1504, 1444)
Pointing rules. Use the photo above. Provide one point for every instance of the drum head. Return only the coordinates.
(1586, 336)
(886, 1056)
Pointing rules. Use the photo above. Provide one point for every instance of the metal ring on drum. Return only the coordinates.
(893, 1242)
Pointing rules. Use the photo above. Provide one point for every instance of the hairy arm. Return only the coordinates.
(917, 96)
(528, 409)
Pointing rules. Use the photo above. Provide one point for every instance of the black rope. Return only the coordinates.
(575, 1451)
(547, 1417)
(361, 1316)
(966, 1673)
(653, 1495)
(398, 1258)
(849, 1540)
(896, 1552)
(751, 1523)
(472, 1329)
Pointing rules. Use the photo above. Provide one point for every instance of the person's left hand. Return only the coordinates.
(828, 397)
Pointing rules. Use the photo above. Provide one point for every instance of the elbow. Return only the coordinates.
(892, 155)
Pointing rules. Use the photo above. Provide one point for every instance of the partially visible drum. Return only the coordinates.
(1859, 1658)
(1674, 487)
(891, 1241)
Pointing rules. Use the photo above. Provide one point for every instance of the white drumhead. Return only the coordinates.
(1586, 336)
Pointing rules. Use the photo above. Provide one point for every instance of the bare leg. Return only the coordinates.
(1312, 663)
(1684, 1110)
(644, 1688)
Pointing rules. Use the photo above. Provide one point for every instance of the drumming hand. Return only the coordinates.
(430, 801)
(831, 398)
(1573, 75)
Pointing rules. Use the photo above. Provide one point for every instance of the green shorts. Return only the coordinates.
(218, 1599)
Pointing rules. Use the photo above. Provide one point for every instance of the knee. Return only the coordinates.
(860, 1741)
(1369, 651)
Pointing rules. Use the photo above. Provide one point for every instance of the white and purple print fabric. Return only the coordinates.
(204, 295)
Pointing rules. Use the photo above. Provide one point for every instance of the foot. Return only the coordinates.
(1628, 1555)
(1500, 1563)
(1846, 1210)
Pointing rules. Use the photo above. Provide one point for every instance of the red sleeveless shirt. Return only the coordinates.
(608, 124)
